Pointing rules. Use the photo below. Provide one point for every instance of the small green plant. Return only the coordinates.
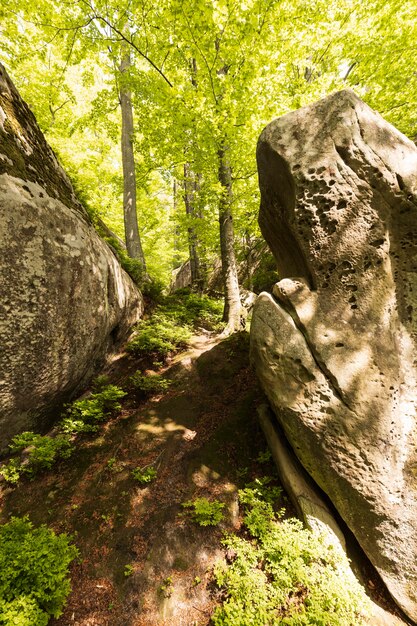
(149, 385)
(11, 471)
(264, 457)
(128, 570)
(205, 512)
(167, 588)
(284, 574)
(111, 463)
(196, 581)
(34, 566)
(144, 476)
(41, 453)
(84, 414)
(100, 382)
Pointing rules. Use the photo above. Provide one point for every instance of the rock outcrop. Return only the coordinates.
(64, 298)
(335, 345)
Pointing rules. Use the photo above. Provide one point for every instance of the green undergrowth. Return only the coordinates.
(205, 512)
(281, 573)
(172, 324)
(145, 475)
(34, 452)
(34, 566)
(148, 385)
(84, 415)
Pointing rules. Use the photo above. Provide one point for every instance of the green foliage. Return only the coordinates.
(128, 570)
(239, 80)
(153, 289)
(84, 415)
(283, 573)
(23, 611)
(158, 336)
(41, 452)
(167, 588)
(11, 471)
(149, 385)
(264, 457)
(172, 324)
(33, 573)
(195, 309)
(144, 476)
(132, 266)
(204, 512)
(100, 382)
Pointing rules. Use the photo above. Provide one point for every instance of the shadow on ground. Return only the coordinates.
(142, 561)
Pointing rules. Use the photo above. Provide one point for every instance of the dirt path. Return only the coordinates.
(142, 561)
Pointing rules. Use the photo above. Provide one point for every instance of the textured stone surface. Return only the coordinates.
(64, 298)
(334, 346)
(315, 513)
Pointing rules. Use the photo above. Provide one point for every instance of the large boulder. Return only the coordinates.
(64, 298)
(335, 345)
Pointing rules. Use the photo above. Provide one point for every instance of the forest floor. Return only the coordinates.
(143, 562)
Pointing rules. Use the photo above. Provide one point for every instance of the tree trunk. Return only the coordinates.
(176, 260)
(190, 189)
(232, 307)
(132, 236)
(249, 259)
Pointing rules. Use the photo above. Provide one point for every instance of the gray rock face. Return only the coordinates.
(335, 345)
(64, 298)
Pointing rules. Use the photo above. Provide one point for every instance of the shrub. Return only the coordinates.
(172, 324)
(33, 573)
(195, 310)
(284, 574)
(11, 471)
(42, 453)
(83, 415)
(144, 476)
(158, 336)
(22, 611)
(149, 385)
(100, 382)
(204, 512)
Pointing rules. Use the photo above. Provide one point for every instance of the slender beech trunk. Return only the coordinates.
(232, 307)
(190, 191)
(132, 236)
(249, 260)
(176, 261)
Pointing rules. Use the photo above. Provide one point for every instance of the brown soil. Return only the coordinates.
(203, 438)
